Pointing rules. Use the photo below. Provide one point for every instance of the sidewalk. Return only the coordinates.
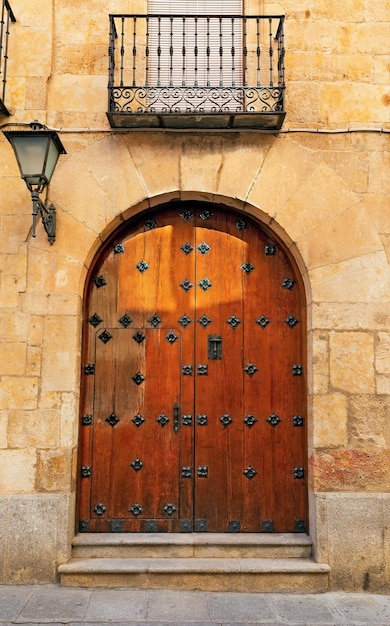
(53, 605)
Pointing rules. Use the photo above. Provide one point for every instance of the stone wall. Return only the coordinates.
(325, 195)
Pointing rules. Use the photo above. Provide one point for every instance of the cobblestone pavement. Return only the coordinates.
(53, 605)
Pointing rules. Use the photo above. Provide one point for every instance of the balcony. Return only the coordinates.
(6, 18)
(196, 72)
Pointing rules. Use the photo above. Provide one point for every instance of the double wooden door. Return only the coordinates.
(193, 399)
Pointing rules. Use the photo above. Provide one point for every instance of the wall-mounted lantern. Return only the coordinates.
(37, 151)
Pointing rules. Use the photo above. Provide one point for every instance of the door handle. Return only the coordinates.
(176, 417)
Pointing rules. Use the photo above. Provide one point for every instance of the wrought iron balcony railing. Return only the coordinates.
(196, 71)
(7, 16)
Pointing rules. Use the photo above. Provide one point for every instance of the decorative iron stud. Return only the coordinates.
(186, 420)
(116, 525)
(204, 320)
(119, 248)
(300, 526)
(202, 471)
(86, 471)
(151, 224)
(202, 420)
(226, 420)
(250, 369)
(234, 526)
(187, 247)
(247, 267)
(205, 214)
(297, 420)
(291, 321)
(288, 283)
(154, 320)
(112, 420)
(105, 336)
(100, 509)
(162, 419)
(233, 321)
(203, 247)
(139, 337)
(99, 281)
(138, 420)
(186, 284)
(89, 369)
(186, 215)
(262, 321)
(205, 284)
(241, 224)
(269, 250)
(250, 472)
(184, 321)
(84, 526)
(250, 420)
(186, 370)
(138, 378)
(125, 320)
(201, 525)
(137, 465)
(171, 337)
(297, 370)
(273, 420)
(136, 509)
(95, 320)
(86, 420)
(142, 266)
(202, 370)
(186, 471)
(169, 509)
(267, 526)
(151, 526)
(299, 472)
(186, 526)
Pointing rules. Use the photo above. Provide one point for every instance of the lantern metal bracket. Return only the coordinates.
(48, 216)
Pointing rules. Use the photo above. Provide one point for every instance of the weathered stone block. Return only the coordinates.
(33, 429)
(357, 103)
(13, 359)
(351, 470)
(320, 362)
(69, 420)
(352, 362)
(61, 346)
(330, 421)
(366, 424)
(54, 470)
(3, 429)
(382, 353)
(77, 93)
(17, 471)
(351, 316)
(17, 392)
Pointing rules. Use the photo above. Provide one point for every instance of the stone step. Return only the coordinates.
(206, 574)
(196, 545)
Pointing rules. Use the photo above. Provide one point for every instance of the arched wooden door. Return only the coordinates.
(193, 400)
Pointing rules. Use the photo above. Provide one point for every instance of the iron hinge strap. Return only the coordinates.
(176, 420)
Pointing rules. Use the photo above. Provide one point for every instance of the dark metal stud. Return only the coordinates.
(226, 420)
(112, 420)
(247, 267)
(138, 420)
(89, 369)
(299, 526)
(151, 224)
(95, 320)
(184, 321)
(142, 266)
(186, 370)
(84, 526)
(125, 320)
(250, 369)
(171, 337)
(136, 509)
(116, 525)
(233, 321)
(86, 471)
(203, 247)
(262, 321)
(267, 526)
(291, 321)
(234, 526)
(138, 378)
(186, 215)
(169, 509)
(205, 214)
(202, 420)
(186, 420)
(288, 283)
(186, 471)
(151, 526)
(162, 419)
(204, 320)
(186, 284)
(119, 248)
(297, 420)
(139, 337)
(269, 250)
(201, 525)
(105, 336)
(299, 472)
(297, 370)
(250, 472)
(250, 420)
(99, 281)
(100, 509)
(154, 321)
(203, 370)
(187, 248)
(186, 526)
(87, 420)
(137, 465)
(241, 224)
(205, 284)
(273, 420)
(202, 471)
